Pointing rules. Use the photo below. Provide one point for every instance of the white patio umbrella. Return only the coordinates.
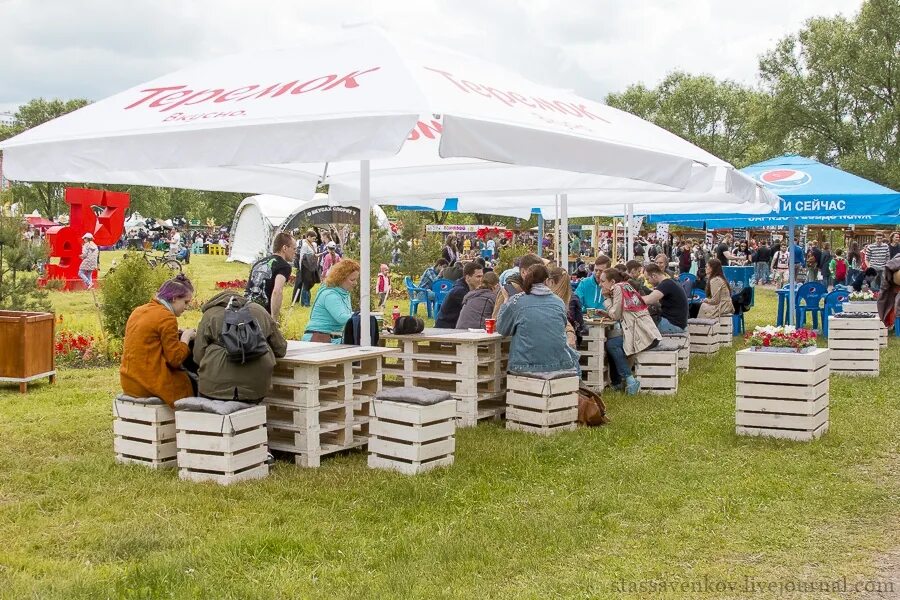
(237, 123)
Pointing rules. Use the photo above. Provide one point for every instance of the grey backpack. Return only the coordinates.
(242, 336)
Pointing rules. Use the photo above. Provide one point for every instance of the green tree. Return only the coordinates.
(836, 91)
(45, 196)
(19, 289)
(718, 116)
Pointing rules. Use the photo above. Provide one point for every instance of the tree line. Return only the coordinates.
(830, 91)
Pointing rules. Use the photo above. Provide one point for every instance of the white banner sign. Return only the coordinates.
(636, 223)
(662, 232)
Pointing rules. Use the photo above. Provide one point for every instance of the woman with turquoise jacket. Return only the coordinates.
(332, 308)
(536, 321)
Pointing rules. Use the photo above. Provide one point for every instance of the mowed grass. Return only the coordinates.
(665, 492)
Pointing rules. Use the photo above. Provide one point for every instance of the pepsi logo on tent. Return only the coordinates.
(785, 178)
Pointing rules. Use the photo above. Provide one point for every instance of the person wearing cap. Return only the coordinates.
(90, 260)
(330, 258)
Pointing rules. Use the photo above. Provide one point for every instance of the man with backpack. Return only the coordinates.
(838, 268)
(268, 275)
(236, 346)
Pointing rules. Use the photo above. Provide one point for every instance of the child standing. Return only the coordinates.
(383, 286)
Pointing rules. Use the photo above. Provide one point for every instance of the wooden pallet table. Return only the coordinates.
(657, 369)
(224, 449)
(704, 335)
(542, 406)
(593, 356)
(467, 365)
(319, 400)
(854, 346)
(144, 434)
(412, 438)
(782, 395)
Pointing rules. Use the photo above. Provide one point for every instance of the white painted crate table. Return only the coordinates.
(224, 449)
(593, 355)
(725, 332)
(704, 336)
(412, 438)
(867, 306)
(466, 364)
(544, 406)
(319, 400)
(782, 394)
(657, 369)
(144, 430)
(854, 346)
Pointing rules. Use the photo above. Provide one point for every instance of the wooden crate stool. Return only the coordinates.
(412, 430)
(657, 369)
(542, 403)
(704, 335)
(782, 395)
(853, 345)
(684, 348)
(224, 448)
(144, 430)
(725, 332)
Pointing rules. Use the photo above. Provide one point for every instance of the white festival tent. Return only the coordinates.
(236, 123)
(256, 221)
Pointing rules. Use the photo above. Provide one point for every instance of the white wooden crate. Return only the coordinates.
(684, 349)
(854, 346)
(144, 434)
(657, 371)
(704, 337)
(725, 332)
(593, 358)
(543, 406)
(782, 395)
(222, 448)
(411, 438)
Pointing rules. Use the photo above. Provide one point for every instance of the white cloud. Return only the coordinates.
(94, 48)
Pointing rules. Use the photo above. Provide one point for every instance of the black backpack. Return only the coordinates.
(409, 325)
(242, 336)
(351, 330)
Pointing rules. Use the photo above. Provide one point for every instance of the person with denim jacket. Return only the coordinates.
(536, 321)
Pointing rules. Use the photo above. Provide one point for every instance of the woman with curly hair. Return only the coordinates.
(332, 308)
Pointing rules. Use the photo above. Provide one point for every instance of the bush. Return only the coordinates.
(417, 257)
(132, 283)
(508, 256)
(19, 287)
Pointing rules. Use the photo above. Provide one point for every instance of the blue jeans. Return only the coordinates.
(86, 277)
(665, 326)
(615, 350)
(761, 272)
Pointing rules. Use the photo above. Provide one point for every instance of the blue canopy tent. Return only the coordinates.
(811, 194)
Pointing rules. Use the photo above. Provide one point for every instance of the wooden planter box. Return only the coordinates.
(27, 340)
(858, 306)
(782, 395)
(854, 346)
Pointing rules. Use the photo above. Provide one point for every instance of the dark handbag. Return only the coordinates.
(591, 409)
(318, 336)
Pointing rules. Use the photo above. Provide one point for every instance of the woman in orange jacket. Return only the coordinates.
(153, 350)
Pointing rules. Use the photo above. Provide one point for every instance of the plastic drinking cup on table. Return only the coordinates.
(490, 325)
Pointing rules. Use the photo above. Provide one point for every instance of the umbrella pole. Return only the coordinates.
(791, 293)
(564, 231)
(365, 283)
(540, 244)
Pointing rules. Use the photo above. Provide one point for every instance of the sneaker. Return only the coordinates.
(617, 387)
(270, 460)
(633, 386)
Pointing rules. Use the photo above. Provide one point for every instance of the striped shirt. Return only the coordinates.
(877, 255)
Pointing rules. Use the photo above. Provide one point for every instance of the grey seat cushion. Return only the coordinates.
(703, 322)
(683, 334)
(151, 401)
(217, 407)
(546, 376)
(413, 395)
(667, 345)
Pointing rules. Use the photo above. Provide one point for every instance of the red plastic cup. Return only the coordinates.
(490, 325)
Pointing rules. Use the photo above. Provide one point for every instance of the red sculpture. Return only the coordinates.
(65, 242)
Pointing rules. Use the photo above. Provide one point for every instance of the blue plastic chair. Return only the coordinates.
(698, 296)
(688, 277)
(441, 288)
(834, 303)
(417, 295)
(896, 325)
(809, 300)
(737, 324)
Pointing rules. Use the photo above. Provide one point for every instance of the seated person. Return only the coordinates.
(672, 301)
(450, 309)
(718, 293)
(431, 275)
(588, 290)
(536, 321)
(512, 287)
(662, 261)
(222, 378)
(478, 304)
(559, 282)
(153, 351)
(332, 308)
(866, 277)
(635, 271)
(634, 331)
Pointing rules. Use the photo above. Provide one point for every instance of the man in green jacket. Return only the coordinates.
(222, 379)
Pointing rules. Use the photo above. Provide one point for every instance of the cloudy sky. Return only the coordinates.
(94, 48)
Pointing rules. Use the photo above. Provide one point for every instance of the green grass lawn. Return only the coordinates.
(665, 492)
